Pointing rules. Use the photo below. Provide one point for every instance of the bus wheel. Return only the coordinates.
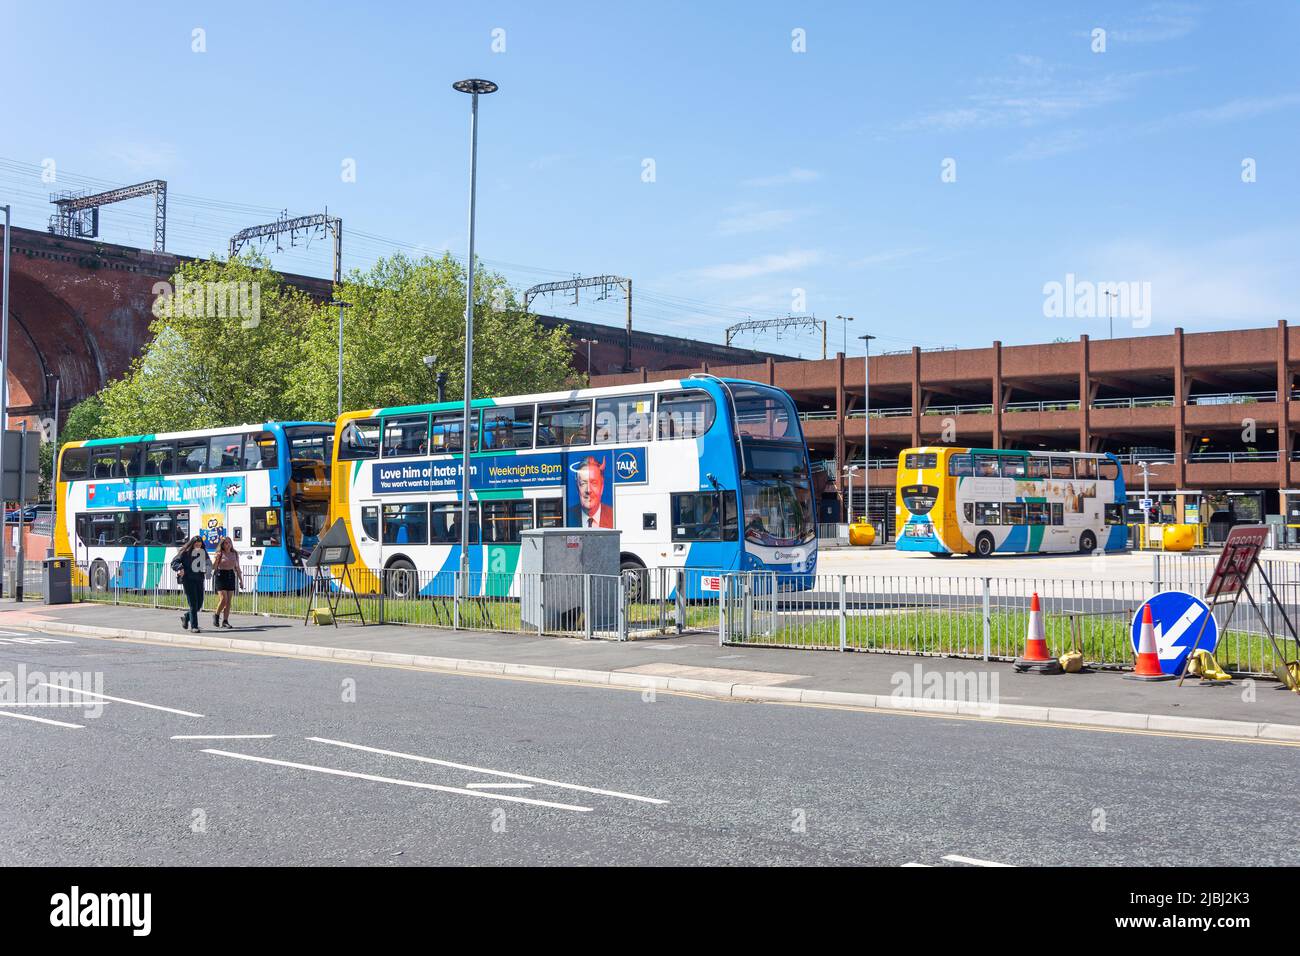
(636, 580)
(984, 545)
(98, 576)
(1087, 542)
(400, 580)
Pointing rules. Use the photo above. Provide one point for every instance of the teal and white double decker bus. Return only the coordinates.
(124, 505)
(703, 473)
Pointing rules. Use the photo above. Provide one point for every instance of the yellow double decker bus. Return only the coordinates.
(984, 501)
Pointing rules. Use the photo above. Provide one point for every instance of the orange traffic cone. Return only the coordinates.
(1148, 662)
(1036, 658)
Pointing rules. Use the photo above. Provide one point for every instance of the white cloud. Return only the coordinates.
(1243, 108)
(794, 175)
(1158, 23)
(1244, 280)
(747, 219)
(1056, 144)
(760, 266)
(884, 258)
(154, 158)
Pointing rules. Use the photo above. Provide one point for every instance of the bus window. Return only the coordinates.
(968, 509)
(1085, 467)
(1062, 467)
(408, 435)
(260, 453)
(133, 460)
(191, 455)
(1058, 513)
(406, 523)
(1013, 467)
(503, 521)
(763, 413)
(104, 462)
(444, 523)
(370, 522)
(988, 512)
(265, 530)
(1115, 514)
(449, 429)
(685, 414)
(961, 466)
(158, 458)
(1013, 513)
(509, 427)
(166, 529)
(624, 418)
(704, 516)
(360, 439)
(566, 423)
(74, 464)
(225, 452)
(1107, 470)
(550, 513)
(1040, 467)
(921, 462)
(1036, 512)
(986, 466)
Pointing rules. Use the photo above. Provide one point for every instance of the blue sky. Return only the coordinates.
(774, 170)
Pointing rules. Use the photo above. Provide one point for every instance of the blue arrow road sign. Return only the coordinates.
(1177, 618)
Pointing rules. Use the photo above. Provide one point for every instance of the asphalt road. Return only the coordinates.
(596, 776)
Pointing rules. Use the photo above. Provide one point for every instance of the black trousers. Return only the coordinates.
(193, 597)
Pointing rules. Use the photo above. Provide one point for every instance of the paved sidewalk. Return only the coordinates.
(695, 663)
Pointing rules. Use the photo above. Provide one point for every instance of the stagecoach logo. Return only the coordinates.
(627, 466)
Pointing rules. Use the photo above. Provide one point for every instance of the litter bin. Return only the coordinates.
(57, 577)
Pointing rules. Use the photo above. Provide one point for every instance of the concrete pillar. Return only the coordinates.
(916, 396)
(1180, 413)
(771, 371)
(997, 394)
(1085, 396)
(841, 409)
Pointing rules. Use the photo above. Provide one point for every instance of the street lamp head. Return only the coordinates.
(866, 338)
(341, 304)
(474, 86)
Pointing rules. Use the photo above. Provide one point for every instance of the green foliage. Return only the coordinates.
(232, 344)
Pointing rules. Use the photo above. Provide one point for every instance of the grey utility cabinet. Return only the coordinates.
(553, 563)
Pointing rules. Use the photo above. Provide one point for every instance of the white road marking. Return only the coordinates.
(122, 700)
(499, 786)
(971, 861)
(53, 703)
(491, 773)
(41, 720)
(399, 782)
(16, 639)
(924, 865)
(222, 736)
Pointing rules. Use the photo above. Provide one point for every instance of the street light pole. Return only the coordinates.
(844, 321)
(589, 343)
(54, 462)
(866, 427)
(850, 469)
(475, 88)
(342, 306)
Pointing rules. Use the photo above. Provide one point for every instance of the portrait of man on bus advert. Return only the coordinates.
(591, 491)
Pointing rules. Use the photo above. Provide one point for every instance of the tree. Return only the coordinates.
(403, 310)
(232, 344)
(226, 343)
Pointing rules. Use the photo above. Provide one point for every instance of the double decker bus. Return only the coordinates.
(125, 504)
(703, 472)
(981, 501)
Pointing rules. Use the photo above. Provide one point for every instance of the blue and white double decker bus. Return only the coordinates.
(702, 473)
(124, 505)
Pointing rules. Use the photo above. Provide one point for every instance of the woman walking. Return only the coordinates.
(192, 567)
(228, 577)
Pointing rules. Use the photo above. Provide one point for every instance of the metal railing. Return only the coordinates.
(1045, 406)
(1142, 401)
(1232, 398)
(625, 606)
(976, 617)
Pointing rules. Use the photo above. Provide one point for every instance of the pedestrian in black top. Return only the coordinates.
(192, 567)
